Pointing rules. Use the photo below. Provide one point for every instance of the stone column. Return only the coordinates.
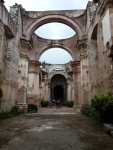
(49, 90)
(33, 89)
(22, 82)
(69, 95)
(84, 77)
(76, 77)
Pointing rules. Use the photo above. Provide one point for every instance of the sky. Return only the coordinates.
(52, 31)
(41, 5)
(55, 31)
(59, 53)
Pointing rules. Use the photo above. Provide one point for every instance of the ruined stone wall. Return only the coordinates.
(22, 80)
(40, 45)
(9, 63)
(33, 88)
(10, 83)
(2, 50)
(84, 81)
(2, 62)
(19, 51)
(76, 79)
(9, 70)
(99, 63)
(105, 62)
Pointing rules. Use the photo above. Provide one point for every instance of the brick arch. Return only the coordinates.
(53, 18)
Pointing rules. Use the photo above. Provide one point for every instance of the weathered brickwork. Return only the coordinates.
(22, 79)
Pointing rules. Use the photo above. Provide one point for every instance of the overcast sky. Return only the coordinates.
(52, 31)
(41, 5)
(55, 31)
(60, 56)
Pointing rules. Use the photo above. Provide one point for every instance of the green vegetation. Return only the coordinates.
(44, 103)
(32, 108)
(13, 113)
(101, 108)
(69, 103)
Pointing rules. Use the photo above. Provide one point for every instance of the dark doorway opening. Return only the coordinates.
(58, 89)
(59, 93)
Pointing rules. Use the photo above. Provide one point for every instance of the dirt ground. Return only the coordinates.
(53, 132)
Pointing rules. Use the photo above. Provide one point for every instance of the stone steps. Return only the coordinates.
(57, 110)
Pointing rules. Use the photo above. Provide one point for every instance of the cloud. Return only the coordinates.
(56, 56)
(41, 5)
(55, 31)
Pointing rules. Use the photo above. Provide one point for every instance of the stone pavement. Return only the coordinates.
(53, 132)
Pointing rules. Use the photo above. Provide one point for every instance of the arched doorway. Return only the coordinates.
(58, 92)
(58, 89)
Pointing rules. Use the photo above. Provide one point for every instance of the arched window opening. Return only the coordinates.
(55, 56)
(55, 31)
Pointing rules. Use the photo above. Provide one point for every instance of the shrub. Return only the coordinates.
(32, 108)
(4, 115)
(69, 103)
(100, 105)
(9, 114)
(85, 109)
(101, 108)
(44, 103)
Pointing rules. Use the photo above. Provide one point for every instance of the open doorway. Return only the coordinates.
(58, 89)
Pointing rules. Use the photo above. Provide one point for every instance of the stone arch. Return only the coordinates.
(94, 36)
(61, 73)
(93, 31)
(54, 18)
